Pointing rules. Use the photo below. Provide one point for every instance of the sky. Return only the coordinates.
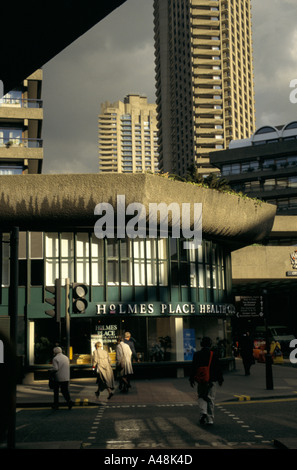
(116, 57)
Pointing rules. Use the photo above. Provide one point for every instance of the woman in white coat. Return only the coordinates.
(102, 365)
(124, 364)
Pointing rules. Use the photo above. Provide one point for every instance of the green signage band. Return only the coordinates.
(164, 309)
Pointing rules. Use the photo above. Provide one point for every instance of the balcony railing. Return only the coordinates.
(20, 103)
(20, 142)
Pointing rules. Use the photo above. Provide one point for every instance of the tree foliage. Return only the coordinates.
(213, 180)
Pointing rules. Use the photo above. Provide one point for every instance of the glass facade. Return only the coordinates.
(82, 257)
(264, 168)
(167, 296)
(265, 164)
(156, 339)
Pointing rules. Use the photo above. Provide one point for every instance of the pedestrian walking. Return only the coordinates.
(206, 371)
(61, 373)
(276, 352)
(246, 352)
(128, 340)
(124, 364)
(102, 365)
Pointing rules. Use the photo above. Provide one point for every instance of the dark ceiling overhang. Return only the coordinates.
(34, 32)
(258, 286)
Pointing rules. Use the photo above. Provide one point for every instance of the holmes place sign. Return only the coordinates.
(164, 309)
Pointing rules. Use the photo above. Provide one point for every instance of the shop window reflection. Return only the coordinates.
(45, 337)
(155, 338)
(161, 347)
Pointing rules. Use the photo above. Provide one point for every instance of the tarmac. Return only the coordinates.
(169, 391)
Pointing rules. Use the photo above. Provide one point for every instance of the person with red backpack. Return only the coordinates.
(206, 372)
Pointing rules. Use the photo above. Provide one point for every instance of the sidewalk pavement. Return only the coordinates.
(236, 387)
(172, 391)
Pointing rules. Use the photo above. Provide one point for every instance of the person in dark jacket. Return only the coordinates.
(246, 352)
(206, 391)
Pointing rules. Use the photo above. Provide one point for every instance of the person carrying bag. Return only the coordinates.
(206, 371)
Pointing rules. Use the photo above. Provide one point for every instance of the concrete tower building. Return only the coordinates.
(204, 79)
(127, 136)
(21, 118)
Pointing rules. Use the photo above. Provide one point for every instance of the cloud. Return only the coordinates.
(275, 64)
(113, 59)
(116, 57)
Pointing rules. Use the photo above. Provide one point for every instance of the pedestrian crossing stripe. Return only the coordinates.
(243, 397)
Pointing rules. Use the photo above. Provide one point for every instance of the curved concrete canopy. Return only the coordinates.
(55, 202)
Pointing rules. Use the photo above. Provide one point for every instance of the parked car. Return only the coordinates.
(281, 334)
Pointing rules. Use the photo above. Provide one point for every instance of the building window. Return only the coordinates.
(11, 169)
(10, 136)
(269, 184)
(35, 253)
(112, 262)
(30, 256)
(268, 164)
(12, 98)
(67, 255)
(292, 182)
(59, 253)
(52, 258)
(150, 262)
(97, 261)
(82, 257)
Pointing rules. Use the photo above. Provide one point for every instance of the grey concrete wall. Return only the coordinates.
(31, 201)
(261, 262)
